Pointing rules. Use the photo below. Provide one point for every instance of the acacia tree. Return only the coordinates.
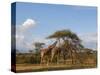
(66, 36)
(69, 38)
(38, 45)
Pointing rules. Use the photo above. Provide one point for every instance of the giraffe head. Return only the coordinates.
(51, 47)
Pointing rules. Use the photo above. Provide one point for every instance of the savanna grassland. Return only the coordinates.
(29, 62)
(70, 54)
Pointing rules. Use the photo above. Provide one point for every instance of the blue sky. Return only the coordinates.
(50, 18)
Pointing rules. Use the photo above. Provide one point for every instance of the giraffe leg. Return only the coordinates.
(41, 60)
(52, 58)
(58, 57)
(52, 55)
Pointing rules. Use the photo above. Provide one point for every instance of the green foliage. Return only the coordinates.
(38, 45)
(31, 58)
(64, 34)
(28, 58)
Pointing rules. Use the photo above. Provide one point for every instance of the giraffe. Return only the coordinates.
(72, 50)
(46, 52)
(55, 51)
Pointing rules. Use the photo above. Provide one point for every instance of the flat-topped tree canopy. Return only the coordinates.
(66, 33)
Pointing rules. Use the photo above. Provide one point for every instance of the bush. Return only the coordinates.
(28, 58)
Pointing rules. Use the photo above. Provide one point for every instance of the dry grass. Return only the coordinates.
(50, 67)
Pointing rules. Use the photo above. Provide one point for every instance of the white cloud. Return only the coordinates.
(89, 40)
(21, 40)
(22, 44)
(91, 37)
(29, 23)
(19, 37)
